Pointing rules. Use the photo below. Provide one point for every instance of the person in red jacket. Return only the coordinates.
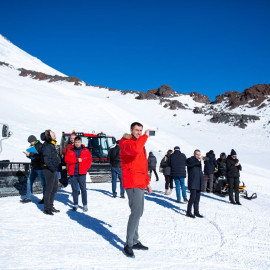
(135, 180)
(79, 159)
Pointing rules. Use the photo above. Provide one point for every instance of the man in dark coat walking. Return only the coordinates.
(152, 164)
(36, 169)
(210, 164)
(51, 161)
(177, 162)
(233, 167)
(114, 159)
(195, 183)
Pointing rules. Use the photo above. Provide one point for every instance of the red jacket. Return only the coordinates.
(134, 162)
(71, 160)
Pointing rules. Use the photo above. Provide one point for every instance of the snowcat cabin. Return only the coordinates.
(98, 144)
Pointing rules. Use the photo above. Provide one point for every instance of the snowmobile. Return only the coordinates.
(221, 187)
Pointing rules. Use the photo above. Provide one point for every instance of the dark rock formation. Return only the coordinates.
(51, 78)
(199, 97)
(4, 64)
(252, 96)
(239, 120)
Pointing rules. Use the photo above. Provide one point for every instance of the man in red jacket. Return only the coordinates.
(135, 180)
(79, 159)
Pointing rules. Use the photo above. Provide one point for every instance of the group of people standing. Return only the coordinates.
(46, 163)
(130, 164)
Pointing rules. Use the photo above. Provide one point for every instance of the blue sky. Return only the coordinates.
(204, 46)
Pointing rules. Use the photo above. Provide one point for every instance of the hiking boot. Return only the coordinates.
(185, 200)
(190, 215)
(139, 245)
(166, 192)
(238, 203)
(198, 215)
(177, 201)
(232, 202)
(128, 252)
(25, 200)
(48, 212)
(114, 195)
(122, 196)
(85, 208)
(55, 210)
(41, 201)
(75, 207)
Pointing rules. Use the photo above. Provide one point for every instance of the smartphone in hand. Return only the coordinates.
(152, 133)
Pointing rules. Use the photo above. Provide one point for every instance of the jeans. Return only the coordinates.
(81, 181)
(115, 172)
(180, 181)
(31, 179)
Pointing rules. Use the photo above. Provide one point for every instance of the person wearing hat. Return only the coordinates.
(177, 162)
(51, 161)
(114, 160)
(233, 173)
(36, 169)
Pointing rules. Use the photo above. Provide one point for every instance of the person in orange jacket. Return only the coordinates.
(79, 159)
(135, 180)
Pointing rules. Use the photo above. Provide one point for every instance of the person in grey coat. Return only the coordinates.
(195, 183)
(166, 170)
(152, 164)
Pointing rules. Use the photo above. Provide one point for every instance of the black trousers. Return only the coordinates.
(234, 186)
(154, 170)
(169, 182)
(51, 188)
(194, 200)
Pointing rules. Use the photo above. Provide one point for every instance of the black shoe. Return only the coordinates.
(75, 207)
(25, 200)
(55, 210)
(238, 203)
(185, 200)
(177, 201)
(41, 201)
(48, 212)
(157, 179)
(128, 252)
(198, 215)
(122, 196)
(190, 215)
(232, 202)
(114, 196)
(139, 245)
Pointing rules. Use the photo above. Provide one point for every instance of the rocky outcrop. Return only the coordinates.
(51, 78)
(239, 120)
(200, 98)
(173, 104)
(252, 96)
(165, 91)
(4, 64)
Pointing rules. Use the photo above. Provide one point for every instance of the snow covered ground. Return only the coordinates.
(229, 237)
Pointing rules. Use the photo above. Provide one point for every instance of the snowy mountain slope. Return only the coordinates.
(11, 54)
(229, 237)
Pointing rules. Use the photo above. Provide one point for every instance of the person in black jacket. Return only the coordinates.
(167, 173)
(195, 183)
(177, 162)
(51, 161)
(221, 165)
(210, 164)
(114, 159)
(36, 168)
(233, 167)
(152, 164)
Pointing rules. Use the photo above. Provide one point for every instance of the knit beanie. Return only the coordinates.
(233, 153)
(32, 138)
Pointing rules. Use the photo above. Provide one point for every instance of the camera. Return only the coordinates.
(152, 133)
